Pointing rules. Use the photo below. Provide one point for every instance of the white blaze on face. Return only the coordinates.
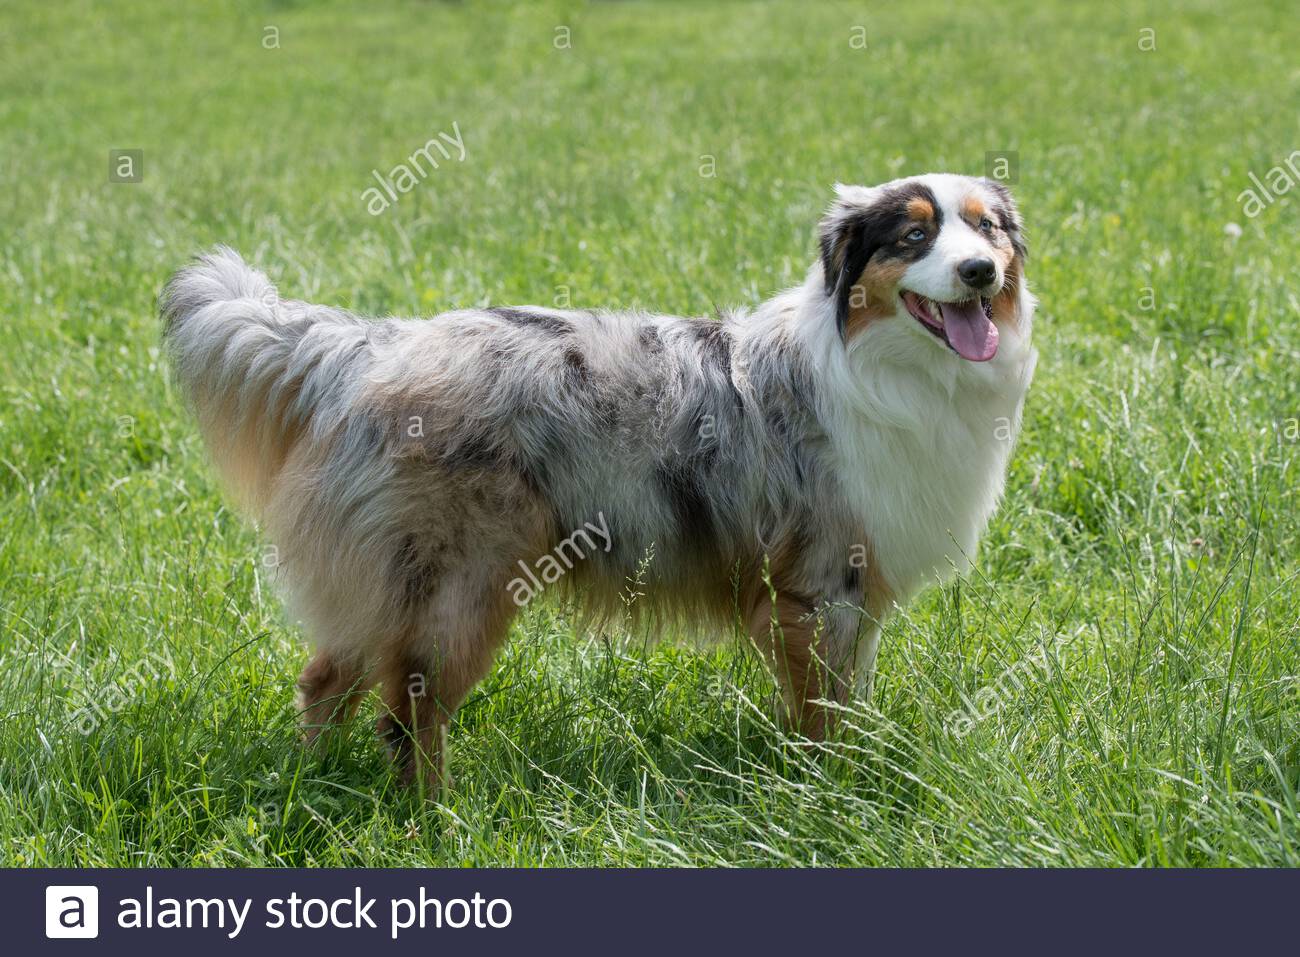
(932, 288)
(935, 275)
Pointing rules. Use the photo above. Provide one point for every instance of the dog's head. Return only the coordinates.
(939, 253)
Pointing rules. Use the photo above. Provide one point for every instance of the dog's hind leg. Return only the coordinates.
(424, 681)
(328, 691)
(453, 546)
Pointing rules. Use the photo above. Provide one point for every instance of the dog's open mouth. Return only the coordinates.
(966, 327)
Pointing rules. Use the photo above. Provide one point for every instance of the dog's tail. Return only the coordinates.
(260, 371)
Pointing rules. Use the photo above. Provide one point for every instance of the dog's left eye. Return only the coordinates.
(986, 225)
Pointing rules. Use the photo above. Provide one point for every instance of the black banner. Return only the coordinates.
(643, 912)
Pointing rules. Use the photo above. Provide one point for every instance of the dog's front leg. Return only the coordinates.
(822, 650)
(810, 647)
(328, 691)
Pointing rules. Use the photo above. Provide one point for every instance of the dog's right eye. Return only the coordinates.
(915, 236)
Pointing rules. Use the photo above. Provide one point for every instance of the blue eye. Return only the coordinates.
(986, 224)
(915, 236)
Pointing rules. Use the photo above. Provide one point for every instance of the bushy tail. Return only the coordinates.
(219, 277)
(259, 370)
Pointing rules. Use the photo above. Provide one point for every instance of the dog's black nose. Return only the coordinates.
(977, 272)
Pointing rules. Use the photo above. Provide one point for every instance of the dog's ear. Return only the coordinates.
(1009, 215)
(849, 236)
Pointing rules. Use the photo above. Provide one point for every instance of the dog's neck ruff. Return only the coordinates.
(921, 436)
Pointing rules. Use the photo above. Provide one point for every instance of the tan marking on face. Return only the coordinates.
(973, 209)
(1005, 305)
(920, 209)
(875, 295)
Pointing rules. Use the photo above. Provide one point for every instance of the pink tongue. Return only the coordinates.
(969, 331)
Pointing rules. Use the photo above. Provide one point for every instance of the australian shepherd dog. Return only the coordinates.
(801, 468)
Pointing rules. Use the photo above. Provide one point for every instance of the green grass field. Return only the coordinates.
(1129, 642)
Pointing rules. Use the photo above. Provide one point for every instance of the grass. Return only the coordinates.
(1130, 635)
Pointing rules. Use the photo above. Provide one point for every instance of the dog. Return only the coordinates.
(803, 468)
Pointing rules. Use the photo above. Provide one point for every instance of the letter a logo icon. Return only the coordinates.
(71, 911)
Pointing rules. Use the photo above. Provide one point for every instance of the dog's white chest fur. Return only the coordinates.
(923, 457)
